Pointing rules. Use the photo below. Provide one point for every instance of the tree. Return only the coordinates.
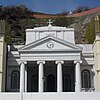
(81, 9)
(90, 32)
(15, 12)
(12, 15)
(63, 21)
(63, 13)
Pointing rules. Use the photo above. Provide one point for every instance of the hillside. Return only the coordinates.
(85, 13)
(19, 18)
(82, 23)
(42, 15)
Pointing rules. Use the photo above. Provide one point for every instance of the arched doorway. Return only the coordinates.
(66, 83)
(34, 83)
(51, 86)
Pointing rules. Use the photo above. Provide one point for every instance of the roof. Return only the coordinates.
(44, 16)
(91, 11)
(44, 44)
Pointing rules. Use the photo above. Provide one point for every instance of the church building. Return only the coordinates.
(50, 61)
(50, 66)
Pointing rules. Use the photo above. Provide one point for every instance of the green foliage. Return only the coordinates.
(63, 21)
(38, 22)
(24, 24)
(14, 15)
(8, 39)
(18, 19)
(90, 32)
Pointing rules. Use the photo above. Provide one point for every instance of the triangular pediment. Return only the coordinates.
(50, 43)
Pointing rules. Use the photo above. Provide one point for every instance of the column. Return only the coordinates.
(59, 76)
(25, 78)
(41, 75)
(22, 77)
(77, 76)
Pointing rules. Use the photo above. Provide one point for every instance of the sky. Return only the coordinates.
(52, 6)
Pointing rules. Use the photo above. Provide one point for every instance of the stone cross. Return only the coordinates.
(49, 22)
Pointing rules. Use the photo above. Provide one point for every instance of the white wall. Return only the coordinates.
(62, 96)
(63, 33)
(51, 96)
(9, 96)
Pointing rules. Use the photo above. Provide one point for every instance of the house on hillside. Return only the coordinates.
(86, 13)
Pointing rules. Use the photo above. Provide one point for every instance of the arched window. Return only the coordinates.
(86, 81)
(66, 83)
(34, 83)
(15, 79)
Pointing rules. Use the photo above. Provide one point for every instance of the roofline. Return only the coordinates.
(94, 10)
(35, 30)
(54, 50)
(52, 37)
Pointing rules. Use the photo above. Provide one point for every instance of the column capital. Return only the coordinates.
(43, 62)
(23, 62)
(77, 61)
(59, 61)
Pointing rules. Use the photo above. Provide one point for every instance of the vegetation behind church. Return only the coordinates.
(19, 18)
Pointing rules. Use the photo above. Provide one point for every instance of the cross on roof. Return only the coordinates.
(49, 22)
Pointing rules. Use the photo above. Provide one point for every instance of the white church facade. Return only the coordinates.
(49, 66)
(50, 61)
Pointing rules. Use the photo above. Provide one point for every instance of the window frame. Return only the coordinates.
(86, 77)
(13, 78)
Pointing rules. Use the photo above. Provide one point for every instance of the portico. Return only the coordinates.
(54, 60)
(59, 71)
(50, 61)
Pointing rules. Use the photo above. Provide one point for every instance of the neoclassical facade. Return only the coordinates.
(50, 61)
